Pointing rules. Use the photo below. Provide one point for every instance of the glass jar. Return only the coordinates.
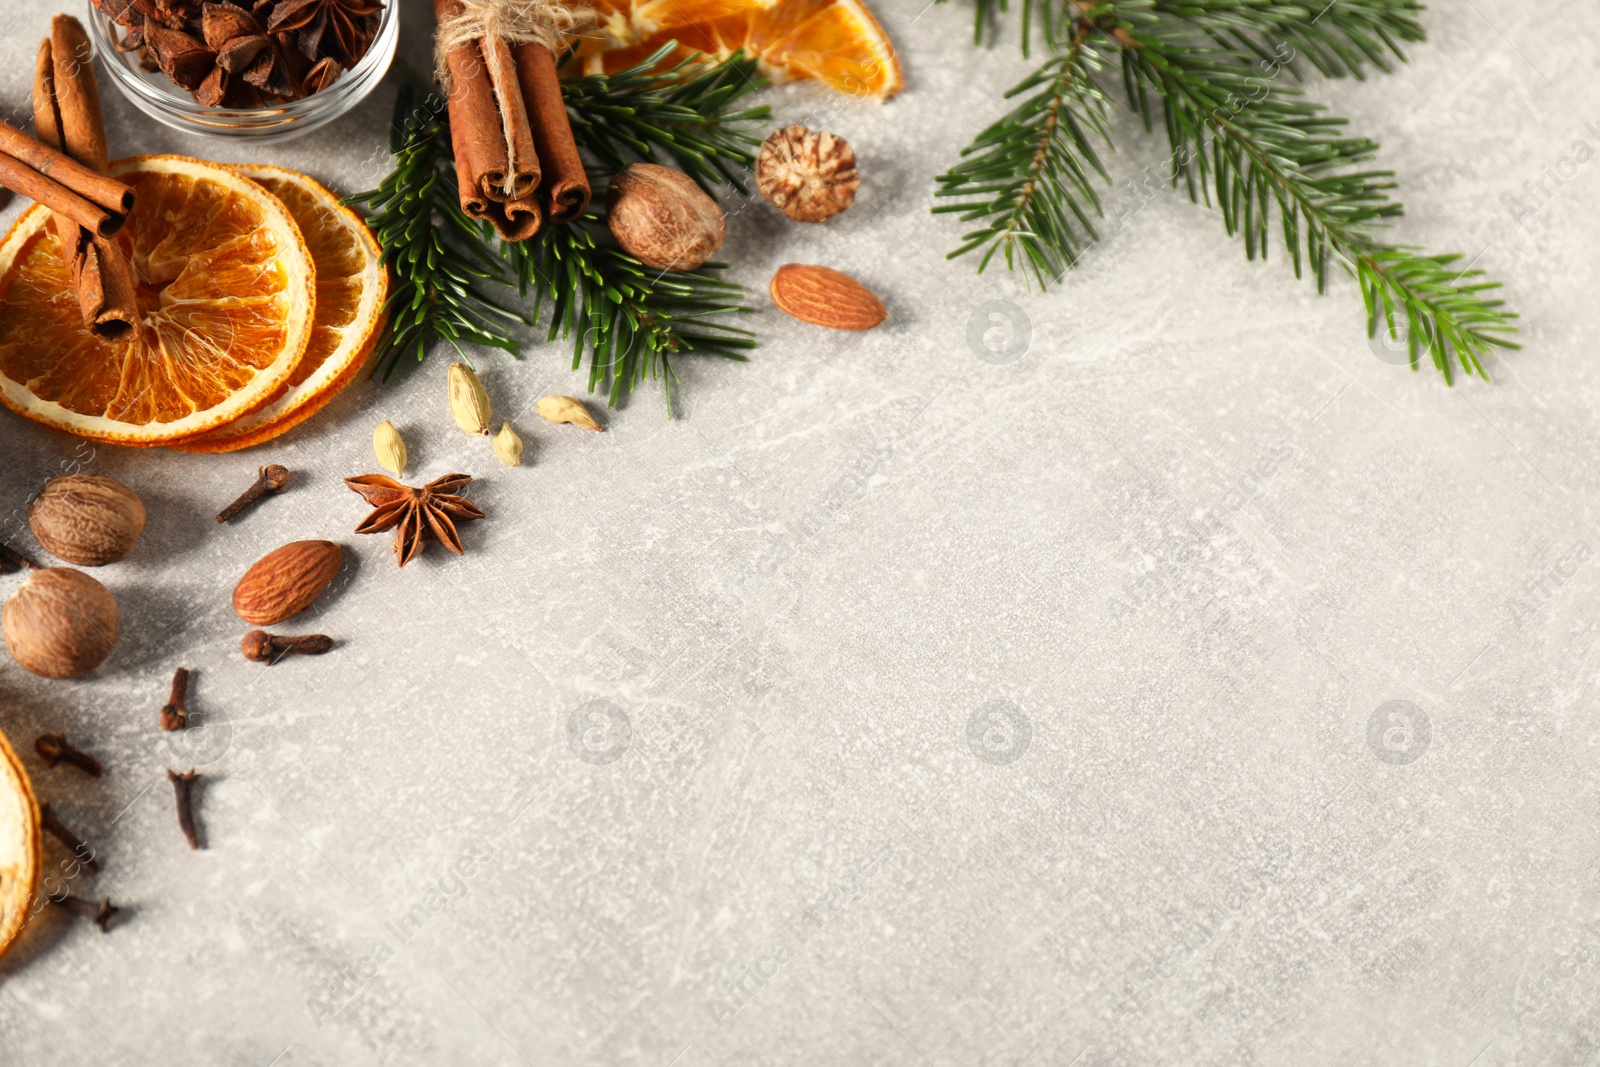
(157, 96)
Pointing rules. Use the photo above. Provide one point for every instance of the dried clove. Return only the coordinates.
(54, 749)
(273, 478)
(12, 560)
(183, 791)
(98, 913)
(262, 647)
(52, 825)
(174, 715)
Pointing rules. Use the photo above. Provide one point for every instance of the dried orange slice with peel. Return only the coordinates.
(226, 294)
(837, 42)
(19, 846)
(624, 23)
(352, 287)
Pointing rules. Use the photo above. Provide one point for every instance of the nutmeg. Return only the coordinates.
(60, 623)
(87, 519)
(662, 218)
(286, 580)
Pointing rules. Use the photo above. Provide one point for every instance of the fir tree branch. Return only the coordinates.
(632, 320)
(1258, 146)
(1268, 156)
(1338, 38)
(686, 114)
(1027, 176)
(435, 254)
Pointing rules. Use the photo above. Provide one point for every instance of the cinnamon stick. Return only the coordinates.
(488, 141)
(514, 221)
(564, 188)
(66, 108)
(113, 198)
(522, 173)
(25, 181)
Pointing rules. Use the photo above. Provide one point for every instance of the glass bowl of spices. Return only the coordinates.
(265, 70)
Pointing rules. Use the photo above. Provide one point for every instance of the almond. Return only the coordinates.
(286, 580)
(825, 297)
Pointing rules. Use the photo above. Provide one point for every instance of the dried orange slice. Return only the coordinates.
(19, 846)
(624, 23)
(226, 296)
(837, 42)
(352, 286)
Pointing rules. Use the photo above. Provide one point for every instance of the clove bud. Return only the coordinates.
(54, 749)
(262, 647)
(174, 715)
(99, 913)
(273, 478)
(183, 792)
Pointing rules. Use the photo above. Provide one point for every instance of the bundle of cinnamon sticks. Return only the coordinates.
(66, 171)
(516, 161)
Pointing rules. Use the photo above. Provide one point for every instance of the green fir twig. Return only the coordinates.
(1208, 71)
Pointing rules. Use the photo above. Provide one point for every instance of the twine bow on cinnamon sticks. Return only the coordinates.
(516, 161)
(65, 170)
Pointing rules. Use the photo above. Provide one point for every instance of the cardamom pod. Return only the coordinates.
(390, 447)
(469, 402)
(567, 409)
(507, 446)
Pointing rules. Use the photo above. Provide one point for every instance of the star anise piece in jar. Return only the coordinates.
(417, 515)
(338, 28)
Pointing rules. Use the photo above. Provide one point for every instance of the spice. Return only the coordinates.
(662, 218)
(54, 749)
(469, 401)
(174, 715)
(507, 446)
(567, 409)
(87, 519)
(273, 478)
(183, 793)
(809, 175)
(497, 167)
(50, 824)
(60, 623)
(390, 447)
(66, 115)
(11, 560)
(98, 913)
(508, 118)
(825, 297)
(233, 58)
(32, 168)
(286, 580)
(262, 647)
(564, 190)
(417, 515)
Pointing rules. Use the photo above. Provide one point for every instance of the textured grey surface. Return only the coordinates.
(1194, 538)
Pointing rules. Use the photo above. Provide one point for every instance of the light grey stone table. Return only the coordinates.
(1024, 713)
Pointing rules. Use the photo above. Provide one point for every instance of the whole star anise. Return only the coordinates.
(417, 515)
(338, 28)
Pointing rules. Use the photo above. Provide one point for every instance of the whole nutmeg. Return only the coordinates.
(286, 580)
(809, 175)
(662, 218)
(60, 623)
(87, 519)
